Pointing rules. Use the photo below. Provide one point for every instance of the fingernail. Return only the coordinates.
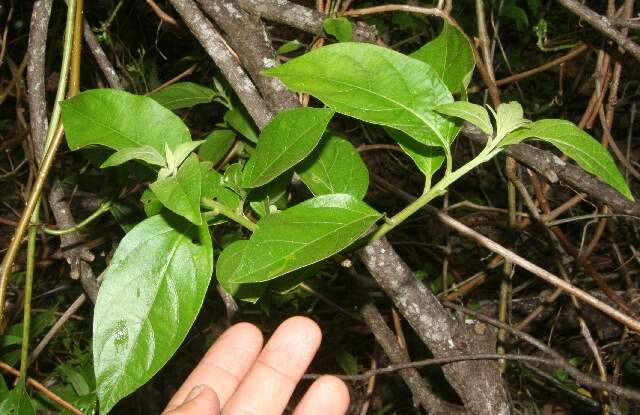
(194, 393)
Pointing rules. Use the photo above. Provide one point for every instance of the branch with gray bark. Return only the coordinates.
(603, 25)
(219, 51)
(78, 257)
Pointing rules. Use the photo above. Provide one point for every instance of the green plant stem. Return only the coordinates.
(437, 190)
(220, 209)
(28, 291)
(76, 55)
(54, 139)
(101, 210)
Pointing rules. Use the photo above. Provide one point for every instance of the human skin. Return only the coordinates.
(238, 375)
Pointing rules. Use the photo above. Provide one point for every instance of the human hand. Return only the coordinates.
(238, 376)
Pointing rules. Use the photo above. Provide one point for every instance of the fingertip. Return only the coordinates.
(245, 333)
(225, 364)
(201, 400)
(328, 395)
(302, 327)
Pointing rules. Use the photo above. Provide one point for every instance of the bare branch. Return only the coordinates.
(603, 25)
(219, 51)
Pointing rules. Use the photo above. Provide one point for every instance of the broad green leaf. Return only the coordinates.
(118, 119)
(237, 120)
(216, 145)
(474, 113)
(17, 402)
(285, 141)
(151, 294)
(213, 188)
(75, 378)
(127, 215)
(183, 95)
(234, 254)
(145, 153)
(335, 167)
(299, 236)
(376, 85)
(347, 361)
(232, 179)
(581, 147)
(509, 117)
(511, 11)
(182, 151)
(181, 193)
(450, 55)
(428, 159)
(340, 28)
(150, 203)
(271, 197)
(289, 47)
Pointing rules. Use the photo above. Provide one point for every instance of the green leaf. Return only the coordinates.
(17, 402)
(232, 179)
(151, 294)
(451, 57)
(127, 215)
(150, 203)
(181, 193)
(376, 85)
(227, 263)
(335, 167)
(509, 117)
(515, 13)
(118, 120)
(347, 362)
(237, 120)
(183, 95)
(580, 146)
(428, 159)
(213, 188)
(145, 153)
(182, 151)
(285, 141)
(340, 28)
(299, 236)
(474, 113)
(271, 197)
(216, 145)
(289, 47)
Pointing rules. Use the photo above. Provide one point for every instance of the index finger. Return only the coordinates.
(267, 388)
(225, 364)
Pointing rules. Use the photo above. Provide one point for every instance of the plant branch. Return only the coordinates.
(104, 207)
(28, 292)
(387, 8)
(399, 357)
(219, 51)
(36, 74)
(416, 364)
(248, 36)
(218, 208)
(576, 374)
(603, 25)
